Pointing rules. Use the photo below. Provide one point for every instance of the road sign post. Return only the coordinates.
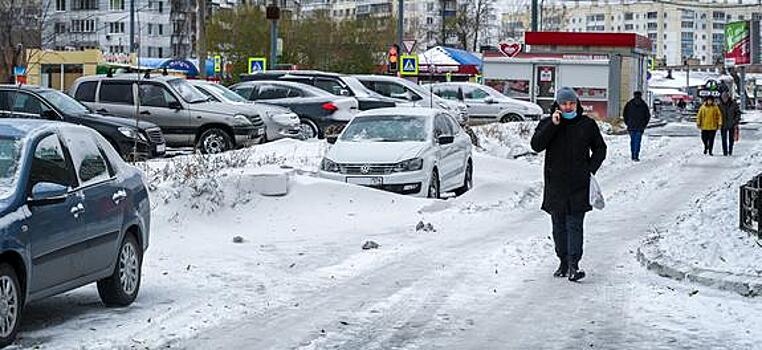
(257, 65)
(409, 65)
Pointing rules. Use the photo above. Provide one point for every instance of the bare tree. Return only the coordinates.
(470, 23)
(20, 29)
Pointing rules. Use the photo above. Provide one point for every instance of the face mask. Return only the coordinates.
(569, 115)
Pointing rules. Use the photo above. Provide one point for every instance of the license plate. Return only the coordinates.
(161, 148)
(366, 181)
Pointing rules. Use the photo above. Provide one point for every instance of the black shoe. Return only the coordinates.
(637, 159)
(575, 274)
(706, 151)
(562, 270)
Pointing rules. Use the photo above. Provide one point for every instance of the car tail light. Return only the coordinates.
(330, 106)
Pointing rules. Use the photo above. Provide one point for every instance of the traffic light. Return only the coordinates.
(393, 59)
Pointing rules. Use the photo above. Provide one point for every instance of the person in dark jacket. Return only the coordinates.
(636, 116)
(731, 116)
(574, 149)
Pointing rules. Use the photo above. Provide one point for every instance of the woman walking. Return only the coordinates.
(709, 120)
(574, 149)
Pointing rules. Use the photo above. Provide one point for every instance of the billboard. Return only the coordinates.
(738, 43)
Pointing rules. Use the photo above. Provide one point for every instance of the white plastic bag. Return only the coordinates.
(596, 196)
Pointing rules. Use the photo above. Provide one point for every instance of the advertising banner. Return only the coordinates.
(738, 43)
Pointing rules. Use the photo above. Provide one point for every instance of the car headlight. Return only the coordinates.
(329, 166)
(241, 119)
(408, 165)
(131, 133)
(462, 106)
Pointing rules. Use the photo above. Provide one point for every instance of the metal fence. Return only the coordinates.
(751, 206)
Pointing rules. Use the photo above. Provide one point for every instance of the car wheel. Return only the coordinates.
(434, 185)
(512, 117)
(121, 288)
(214, 141)
(10, 304)
(468, 180)
(308, 129)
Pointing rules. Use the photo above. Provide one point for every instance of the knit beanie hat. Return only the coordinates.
(566, 94)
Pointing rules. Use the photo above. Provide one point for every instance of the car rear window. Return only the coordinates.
(116, 92)
(86, 91)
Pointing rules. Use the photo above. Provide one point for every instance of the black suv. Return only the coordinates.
(337, 84)
(29, 101)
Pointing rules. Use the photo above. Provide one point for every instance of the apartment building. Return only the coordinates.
(105, 25)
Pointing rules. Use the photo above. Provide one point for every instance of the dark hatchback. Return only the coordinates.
(72, 212)
(29, 101)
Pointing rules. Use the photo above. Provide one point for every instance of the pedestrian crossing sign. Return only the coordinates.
(409, 64)
(257, 65)
(218, 64)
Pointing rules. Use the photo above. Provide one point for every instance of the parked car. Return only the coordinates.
(320, 113)
(409, 94)
(28, 101)
(72, 212)
(186, 116)
(415, 151)
(486, 103)
(280, 122)
(336, 84)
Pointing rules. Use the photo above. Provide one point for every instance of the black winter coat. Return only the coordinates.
(731, 114)
(636, 114)
(573, 150)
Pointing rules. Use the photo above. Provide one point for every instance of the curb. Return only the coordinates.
(653, 259)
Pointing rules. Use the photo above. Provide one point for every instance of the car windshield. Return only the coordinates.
(357, 87)
(63, 102)
(187, 91)
(10, 149)
(226, 93)
(386, 128)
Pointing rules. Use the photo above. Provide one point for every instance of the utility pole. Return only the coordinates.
(534, 16)
(201, 38)
(273, 14)
(132, 26)
(400, 23)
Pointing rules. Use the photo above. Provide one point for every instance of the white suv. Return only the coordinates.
(487, 104)
(414, 151)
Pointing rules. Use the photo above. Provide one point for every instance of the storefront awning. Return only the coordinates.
(447, 59)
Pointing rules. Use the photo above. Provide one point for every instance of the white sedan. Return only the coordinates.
(415, 151)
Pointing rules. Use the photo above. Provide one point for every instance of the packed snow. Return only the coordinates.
(228, 267)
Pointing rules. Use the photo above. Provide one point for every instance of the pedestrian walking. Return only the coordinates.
(574, 149)
(681, 105)
(636, 117)
(709, 120)
(731, 116)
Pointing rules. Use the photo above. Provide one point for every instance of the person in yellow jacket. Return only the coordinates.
(709, 120)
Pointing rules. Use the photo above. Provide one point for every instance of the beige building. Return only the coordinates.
(677, 32)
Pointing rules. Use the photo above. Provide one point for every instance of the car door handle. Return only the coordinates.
(102, 111)
(145, 112)
(119, 196)
(77, 210)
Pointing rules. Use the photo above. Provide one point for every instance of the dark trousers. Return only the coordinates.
(707, 137)
(636, 136)
(567, 234)
(728, 138)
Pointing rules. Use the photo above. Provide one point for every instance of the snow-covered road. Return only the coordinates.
(484, 280)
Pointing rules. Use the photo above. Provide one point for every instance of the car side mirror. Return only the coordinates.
(49, 115)
(176, 105)
(47, 193)
(332, 139)
(445, 139)
(344, 92)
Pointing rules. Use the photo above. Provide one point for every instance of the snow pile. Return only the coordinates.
(707, 236)
(506, 140)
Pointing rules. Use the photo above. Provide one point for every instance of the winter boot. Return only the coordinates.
(575, 274)
(563, 269)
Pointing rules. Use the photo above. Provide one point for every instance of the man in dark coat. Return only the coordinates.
(731, 116)
(636, 116)
(574, 149)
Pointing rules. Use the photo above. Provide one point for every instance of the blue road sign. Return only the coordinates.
(409, 65)
(257, 64)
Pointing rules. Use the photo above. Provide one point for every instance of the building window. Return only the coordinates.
(83, 26)
(60, 28)
(718, 16)
(118, 27)
(687, 25)
(161, 28)
(85, 5)
(116, 5)
(150, 29)
(719, 26)
(652, 15)
(653, 26)
(60, 5)
(628, 27)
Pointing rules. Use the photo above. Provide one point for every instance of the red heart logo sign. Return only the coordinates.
(510, 49)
